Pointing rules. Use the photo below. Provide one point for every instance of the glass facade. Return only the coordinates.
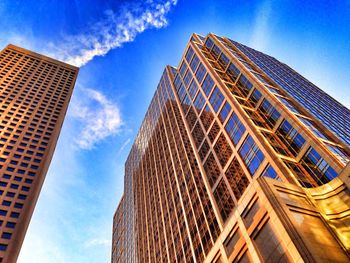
(220, 148)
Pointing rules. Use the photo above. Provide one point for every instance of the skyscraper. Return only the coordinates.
(238, 159)
(35, 92)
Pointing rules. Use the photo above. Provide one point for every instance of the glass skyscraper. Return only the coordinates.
(35, 92)
(239, 159)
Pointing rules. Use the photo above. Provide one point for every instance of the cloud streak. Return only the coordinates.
(98, 117)
(115, 29)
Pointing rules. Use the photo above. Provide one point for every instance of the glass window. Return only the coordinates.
(188, 78)
(269, 113)
(235, 128)
(189, 54)
(207, 85)
(6, 235)
(194, 63)
(209, 43)
(339, 153)
(216, 51)
(223, 60)
(292, 139)
(317, 167)
(199, 102)
(183, 69)
(270, 172)
(244, 85)
(3, 247)
(200, 73)
(193, 89)
(288, 104)
(254, 97)
(216, 99)
(224, 200)
(251, 154)
(224, 112)
(233, 72)
(311, 126)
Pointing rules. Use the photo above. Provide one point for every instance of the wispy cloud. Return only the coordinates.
(260, 35)
(98, 117)
(115, 29)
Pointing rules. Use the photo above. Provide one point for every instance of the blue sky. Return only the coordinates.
(122, 48)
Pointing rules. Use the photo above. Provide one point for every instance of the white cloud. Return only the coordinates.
(98, 117)
(260, 34)
(111, 32)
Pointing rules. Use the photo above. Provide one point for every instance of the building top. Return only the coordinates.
(43, 57)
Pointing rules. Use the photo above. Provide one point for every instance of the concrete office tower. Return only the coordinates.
(35, 92)
(238, 159)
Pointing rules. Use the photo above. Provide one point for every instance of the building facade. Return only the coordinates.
(238, 159)
(35, 92)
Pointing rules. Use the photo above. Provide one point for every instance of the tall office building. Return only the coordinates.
(238, 159)
(35, 92)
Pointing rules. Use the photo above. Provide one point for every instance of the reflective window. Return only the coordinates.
(235, 128)
(270, 172)
(317, 167)
(288, 104)
(200, 73)
(224, 200)
(216, 99)
(189, 54)
(339, 153)
(233, 72)
(193, 89)
(199, 102)
(254, 97)
(223, 60)
(194, 63)
(224, 112)
(207, 85)
(269, 113)
(209, 43)
(292, 139)
(183, 69)
(244, 85)
(251, 154)
(312, 127)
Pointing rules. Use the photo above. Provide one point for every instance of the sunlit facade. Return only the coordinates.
(35, 92)
(231, 165)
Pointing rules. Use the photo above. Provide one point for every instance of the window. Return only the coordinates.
(224, 200)
(339, 153)
(224, 112)
(269, 113)
(6, 235)
(207, 85)
(235, 128)
(251, 154)
(216, 99)
(236, 178)
(244, 85)
(292, 139)
(194, 63)
(189, 54)
(199, 102)
(209, 43)
(254, 97)
(311, 126)
(270, 172)
(223, 60)
(317, 167)
(233, 72)
(211, 169)
(10, 225)
(183, 69)
(3, 247)
(193, 89)
(200, 73)
(288, 104)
